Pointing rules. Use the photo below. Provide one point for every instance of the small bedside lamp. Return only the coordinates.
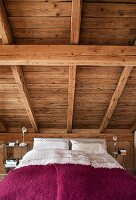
(23, 131)
(115, 153)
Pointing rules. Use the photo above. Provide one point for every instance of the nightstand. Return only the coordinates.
(120, 156)
(13, 155)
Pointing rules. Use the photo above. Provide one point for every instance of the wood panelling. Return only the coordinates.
(108, 23)
(115, 98)
(125, 112)
(108, 10)
(20, 80)
(97, 86)
(103, 22)
(38, 9)
(47, 22)
(39, 22)
(11, 106)
(48, 90)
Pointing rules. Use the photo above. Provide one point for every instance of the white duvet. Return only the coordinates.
(51, 156)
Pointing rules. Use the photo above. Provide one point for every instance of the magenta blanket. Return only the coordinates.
(68, 182)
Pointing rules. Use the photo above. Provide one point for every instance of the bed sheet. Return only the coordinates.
(51, 156)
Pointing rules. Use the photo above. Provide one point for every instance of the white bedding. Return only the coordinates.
(51, 156)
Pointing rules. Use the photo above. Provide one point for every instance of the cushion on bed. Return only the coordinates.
(88, 147)
(49, 143)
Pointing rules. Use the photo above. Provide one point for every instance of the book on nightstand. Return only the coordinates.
(11, 163)
(122, 151)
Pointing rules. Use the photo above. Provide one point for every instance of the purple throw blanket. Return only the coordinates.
(68, 182)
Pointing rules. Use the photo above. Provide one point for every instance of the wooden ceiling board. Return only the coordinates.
(12, 109)
(91, 104)
(108, 23)
(39, 21)
(48, 90)
(103, 22)
(38, 9)
(124, 114)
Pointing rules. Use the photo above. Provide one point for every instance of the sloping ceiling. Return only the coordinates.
(103, 22)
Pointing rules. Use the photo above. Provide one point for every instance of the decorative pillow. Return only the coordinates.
(50, 143)
(88, 147)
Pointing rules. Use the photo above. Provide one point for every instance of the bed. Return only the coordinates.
(57, 169)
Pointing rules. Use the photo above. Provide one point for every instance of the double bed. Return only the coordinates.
(67, 169)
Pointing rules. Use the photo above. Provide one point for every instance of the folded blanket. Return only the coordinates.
(68, 182)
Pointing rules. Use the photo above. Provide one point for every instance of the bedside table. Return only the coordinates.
(10, 160)
(120, 156)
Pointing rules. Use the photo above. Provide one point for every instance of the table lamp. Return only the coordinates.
(23, 131)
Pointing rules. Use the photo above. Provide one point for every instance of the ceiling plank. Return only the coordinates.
(19, 77)
(5, 31)
(74, 39)
(3, 126)
(115, 98)
(62, 55)
(7, 38)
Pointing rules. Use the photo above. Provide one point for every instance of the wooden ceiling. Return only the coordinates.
(93, 88)
(110, 22)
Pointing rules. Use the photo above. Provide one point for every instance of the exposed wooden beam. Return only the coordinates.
(3, 126)
(58, 55)
(5, 31)
(71, 94)
(74, 39)
(115, 98)
(75, 21)
(76, 134)
(19, 77)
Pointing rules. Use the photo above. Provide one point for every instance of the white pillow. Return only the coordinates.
(88, 147)
(50, 143)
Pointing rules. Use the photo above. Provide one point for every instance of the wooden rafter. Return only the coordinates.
(115, 98)
(71, 94)
(62, 55)
(75, 21)
(7, 38)
(19, 77)
(3, 126)
(74, 39)
(5, 31)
